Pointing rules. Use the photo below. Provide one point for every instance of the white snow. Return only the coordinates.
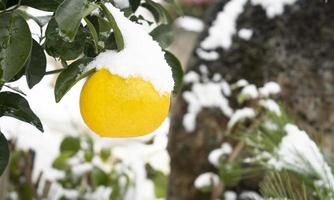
(230, 195)
(208, 179)
(190, 23)
(207, 55)
(122, 3)
(271, 105)
(216, 154)
(240, 83)
(101, 193)
(141, 57)
(245, 33)
(204, 95)
(224, 26)
(299, 153)
(241, 114)
(191, 77)
(250, 195)
(249, 92)
(273, 7)
(269, 88)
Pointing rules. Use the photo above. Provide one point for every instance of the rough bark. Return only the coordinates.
(294, 49)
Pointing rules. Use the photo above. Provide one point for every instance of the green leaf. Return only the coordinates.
(104, 25)
(134, 4)
(158, 10)
(153, 11)
(113, 24)
(70, 144)
(2, 4)
(177, 71)
(4, 153)
(159, 180)
(46, 5)
(93, 33)
(35, 69)
(99, 177)
(14, 105)
(61, 161)
(40, 20)
(16, 42)
(56, 46)
(69, 15)
(163, 34)
(177, 6)
(105, 154)
(70, 76)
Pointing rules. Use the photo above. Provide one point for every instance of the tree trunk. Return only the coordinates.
(294, 49)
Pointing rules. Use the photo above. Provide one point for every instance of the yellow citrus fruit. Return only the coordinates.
(113, 106)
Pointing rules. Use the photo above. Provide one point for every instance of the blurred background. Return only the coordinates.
(238, 55)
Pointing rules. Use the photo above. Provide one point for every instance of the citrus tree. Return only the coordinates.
(76, 32)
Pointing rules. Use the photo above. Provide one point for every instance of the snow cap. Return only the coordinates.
(141, 57)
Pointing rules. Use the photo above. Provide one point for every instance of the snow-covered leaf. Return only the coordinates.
(69, 15)
(56, 46)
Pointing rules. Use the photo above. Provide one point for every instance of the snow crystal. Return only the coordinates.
(273, 7)
(299, 153)
(207, 55)
(204, 95)
(207, 179)
(270, 88)
(250, 195)
(241, 114)
(271, 105)
(190, 23)
(141, 57)
(249, 92)
(224, 26)
(216, 154)
(245, 33)
(230, 195)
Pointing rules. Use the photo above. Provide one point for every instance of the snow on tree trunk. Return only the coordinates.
(294, 49)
